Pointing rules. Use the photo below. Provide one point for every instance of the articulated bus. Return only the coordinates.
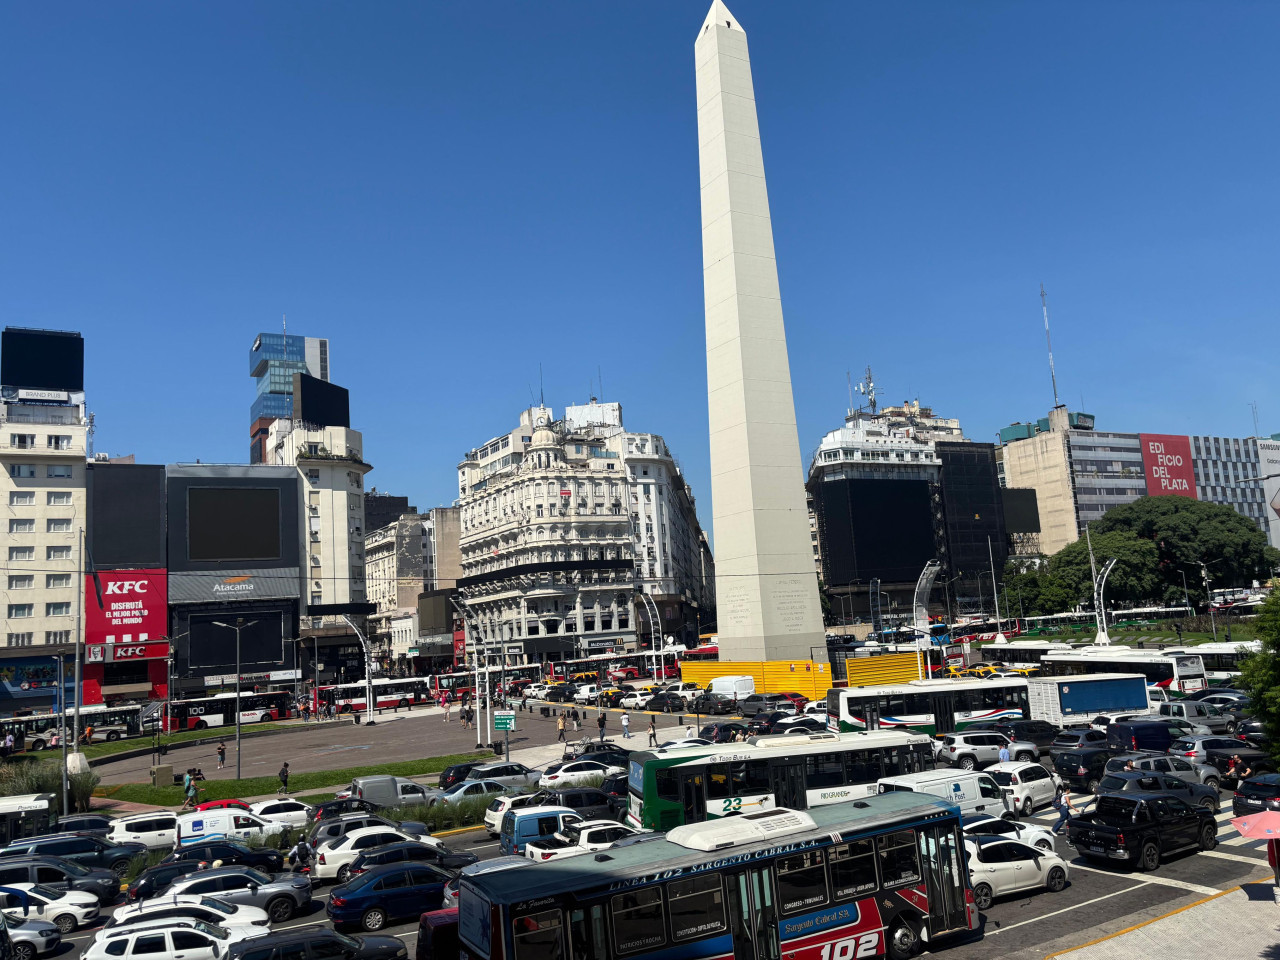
(199, 713)
(462, 683)
(927, 706)
(387, 692)
(1221, 660)
(690, 784)
(1177, 675)
(877, 878)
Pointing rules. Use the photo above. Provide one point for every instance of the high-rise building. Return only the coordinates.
(381, 508)
(564, 523)
(273, 360)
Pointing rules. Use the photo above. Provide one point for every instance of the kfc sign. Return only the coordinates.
(135, 609)
(1166, 462)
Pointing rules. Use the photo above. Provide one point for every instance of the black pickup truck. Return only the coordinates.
(1141, 830)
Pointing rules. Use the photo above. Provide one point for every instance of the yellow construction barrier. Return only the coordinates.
(810, 680)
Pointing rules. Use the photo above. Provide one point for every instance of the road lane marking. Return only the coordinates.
(1239, 857)
(1045, 916)
(1162, 881)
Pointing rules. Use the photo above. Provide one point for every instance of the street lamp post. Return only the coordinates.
(237, 627)
(62, 728)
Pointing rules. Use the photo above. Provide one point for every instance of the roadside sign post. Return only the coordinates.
(505, 720)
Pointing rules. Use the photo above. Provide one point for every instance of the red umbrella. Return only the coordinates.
(1264, 825)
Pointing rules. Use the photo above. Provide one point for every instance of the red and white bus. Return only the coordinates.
(199, 713)
(387, 692)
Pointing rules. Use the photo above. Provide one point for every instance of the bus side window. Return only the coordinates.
(696, 906)
(538, 936)
(637, 921)
(802, 882)
(863, 766)
(587, 935)
(718, 785)
(853, 869)
(899, 860)
(667, 786)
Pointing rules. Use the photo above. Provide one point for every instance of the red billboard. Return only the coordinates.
(135, 609)
(1166, 463)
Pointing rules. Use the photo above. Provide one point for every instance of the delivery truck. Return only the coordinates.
(1069, 701)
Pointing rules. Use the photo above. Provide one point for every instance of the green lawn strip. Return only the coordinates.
(299, 783)
(171, 740)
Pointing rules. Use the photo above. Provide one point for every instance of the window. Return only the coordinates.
(393, 881)
(22, 471)
(322, 948)
(57, 609)
(57, 553)
(802, 882)
(637, 920)
(57, 581)
(22, 553)
(151, 944)
(19, 640)
(117, 947)
(22, 526)
(189, 940)
(18, 611)
(58, 498)
(853, 869)
(59, 442)
(899, 862)
(57, 636)
(23, 441)
(22, 498)
(22, 582)
(60, 471)
(824, 770)
(539, 936)
(57, 526)
(696, 906)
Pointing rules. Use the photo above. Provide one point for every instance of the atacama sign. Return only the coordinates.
(1166, 462)
(134, 610)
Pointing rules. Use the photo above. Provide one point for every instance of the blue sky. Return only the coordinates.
(457, 193)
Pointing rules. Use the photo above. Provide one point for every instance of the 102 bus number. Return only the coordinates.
(866, 945)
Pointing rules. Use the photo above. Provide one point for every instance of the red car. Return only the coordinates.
(795, 698)
(222, 805)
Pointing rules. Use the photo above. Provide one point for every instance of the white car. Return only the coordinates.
(998, 867)
(498, 807)
(221, 913)
(1029, 786)
(1104, 720)
(157, 830)
(67, 910)
(575, 772)
(578, 838)
(635, 700)
(985, 825)
(535, 691)
(586, 693)
(185, 939)
(292, 813)
(333, 862)
(686, 690)
(816, 708)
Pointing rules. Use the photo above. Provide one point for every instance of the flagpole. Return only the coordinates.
(75, 723)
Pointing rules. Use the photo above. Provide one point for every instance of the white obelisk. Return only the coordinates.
(766, 586)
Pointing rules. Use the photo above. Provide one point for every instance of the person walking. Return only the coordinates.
(653, 732)
(191, 791)
(626, 726)
(689, 732)
(600, 722)
(1004, 753)
(306, 711)
(222, 755)
(560, 728)
(444, 702)
(1066, 810)
(284, 778)
(577, 721)
(186, 789)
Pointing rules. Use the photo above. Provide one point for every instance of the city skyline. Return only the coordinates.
(446, 282)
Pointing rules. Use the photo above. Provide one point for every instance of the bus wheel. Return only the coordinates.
(345, 708)
(113, 736)
(37, 745)
(201, 725)
(902, 942)
(265, 718)
(404, 703)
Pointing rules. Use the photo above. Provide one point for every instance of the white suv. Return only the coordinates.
(157, 830)
(334, 861)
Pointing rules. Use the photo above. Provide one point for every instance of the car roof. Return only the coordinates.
(495, 764)
(1131, 774)
(1267, 778)
(232, 870)
(366, 831)
(145, 815)
(145, 926)
(1010, 766)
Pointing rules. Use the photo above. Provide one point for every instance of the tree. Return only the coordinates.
(1260, 673)
(1134, 580)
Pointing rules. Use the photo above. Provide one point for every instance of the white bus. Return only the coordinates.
(1221, 660)
(927, 706)
(1177, 675)
(1020, 653)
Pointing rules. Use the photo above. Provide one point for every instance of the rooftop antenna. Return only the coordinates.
(849, 380)
(600, 380)
(284, 322)
(542, 396)
(1253, 405)
(1053, 376)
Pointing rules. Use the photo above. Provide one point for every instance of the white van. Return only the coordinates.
(224, 824)
(157, 830)
(972, 791)
(739, 687)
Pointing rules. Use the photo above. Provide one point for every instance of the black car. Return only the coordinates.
(1083, 769)
(613, 698)
(593, 804)
(1257, 794)
(713, 703)
(1251, 730)
(606, 751)
(1256, 761)
(561, 693)
(667, 703)
(94, 823)
(615, 786)
(410, 851)
(81, 848)
(457, 773)
(1040, 732)
(230, 852)
(317, 941)
(1210, 691)
(336, 808)
(763, 723)
(61, 875)
(155, 880)
(721, 732)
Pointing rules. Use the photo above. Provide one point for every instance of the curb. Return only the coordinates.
(450, 833)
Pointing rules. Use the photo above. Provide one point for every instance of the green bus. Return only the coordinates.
(932, 707)
(680, 785)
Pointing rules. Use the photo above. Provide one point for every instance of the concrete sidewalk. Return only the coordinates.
(1243, 922)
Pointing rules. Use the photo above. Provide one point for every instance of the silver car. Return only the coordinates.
(968, 751)
(1179, 767)
(508, 774)
(1196, 749)
(281, 895)
(31, 937)
(465, 789)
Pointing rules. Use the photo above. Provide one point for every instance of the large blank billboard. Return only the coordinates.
(233, 524)
(1021, 510)
(874, 529)
(42, 360)
(320, 403)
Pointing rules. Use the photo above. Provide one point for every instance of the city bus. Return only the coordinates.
(109, 723)
(1221, 660)
(1021, 653)
(875, 878)
(930, 707)
(29, 815)
(463, 683)
(199, 713)
(689, 784)
(387, 692)
(1177, 675)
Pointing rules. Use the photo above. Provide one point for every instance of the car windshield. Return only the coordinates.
(1002, 777)
(40, 890)
(257, 877)
(73, 868)
(211, 929)
(1112, 783)
(222, 906)
(1182, 745)
(1252, 788)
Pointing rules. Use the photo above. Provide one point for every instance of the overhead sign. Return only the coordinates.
(135, 608)
(231, 586)
(1166, 463)
(504, 720)
(47, 396)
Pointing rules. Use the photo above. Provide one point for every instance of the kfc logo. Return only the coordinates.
(126, 653)
(127, 586)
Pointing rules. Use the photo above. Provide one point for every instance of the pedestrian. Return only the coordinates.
(577, 721)
(626, 726)
(1066, 809)
(306, 711)
(447, 707)
(1004, 753)
(688, 732)
(600, 722)
(284, 778)
(222, 755)
(524, 702)
(653, 732)
(301, 855)
(560, 728)
(192, 792)
(8, 743)
(186, 788)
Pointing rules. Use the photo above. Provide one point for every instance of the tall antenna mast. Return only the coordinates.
(284, 322)
(1044, 305)
(849, 380)
(871, 391)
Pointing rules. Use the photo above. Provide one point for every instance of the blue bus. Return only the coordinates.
(867, 878)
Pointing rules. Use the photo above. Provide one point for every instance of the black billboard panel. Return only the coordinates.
(1021, 510)
(42, 359)
(126, 529)
(226, 519)
(435, 613)
(874, 529)
(319, 402)
(204, 649)
(233, 524)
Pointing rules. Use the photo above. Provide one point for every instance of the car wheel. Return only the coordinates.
(1027, 808)
(967, 763)
(374, 919)
(1212, 782)
(1025, 758)
(903, 942)
(120, 868)
(24, 951)
(982, 896)
(1057, 881)
(344, 873)
(280, 909)
(1208, 837)
(65, 923)
(1044, 844)
(1092, 785)
(1149, 859)
(1210, 803)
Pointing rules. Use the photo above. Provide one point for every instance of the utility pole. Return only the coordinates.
(1208, 598)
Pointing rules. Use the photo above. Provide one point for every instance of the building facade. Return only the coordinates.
(394, 578)
(562, 523)
(273, 360)
(441, 556)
